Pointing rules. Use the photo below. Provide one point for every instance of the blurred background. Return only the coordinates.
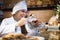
(42, 9)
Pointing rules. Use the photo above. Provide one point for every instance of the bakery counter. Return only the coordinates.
(51, 35)
(20, 37)
(45, 35)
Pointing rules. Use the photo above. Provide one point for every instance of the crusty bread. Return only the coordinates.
(18, 36)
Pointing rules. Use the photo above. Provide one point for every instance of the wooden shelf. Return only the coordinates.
(33, 5)
(41, 8)
(31, 8)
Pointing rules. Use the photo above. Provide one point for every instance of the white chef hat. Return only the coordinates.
(19, 6)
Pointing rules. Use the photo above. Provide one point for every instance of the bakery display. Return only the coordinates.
(18, 37)
(53, 35)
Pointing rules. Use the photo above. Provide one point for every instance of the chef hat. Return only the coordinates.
(19, 6)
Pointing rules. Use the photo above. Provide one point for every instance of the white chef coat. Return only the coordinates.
(8, 26)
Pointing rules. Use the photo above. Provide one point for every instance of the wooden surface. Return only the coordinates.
(42, 15)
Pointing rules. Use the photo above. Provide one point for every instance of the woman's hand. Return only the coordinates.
(21, 22)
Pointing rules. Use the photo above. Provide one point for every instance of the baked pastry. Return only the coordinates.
(31, 38)
(8, 37)
(18, 37)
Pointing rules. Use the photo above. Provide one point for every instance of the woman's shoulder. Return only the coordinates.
(7, 19)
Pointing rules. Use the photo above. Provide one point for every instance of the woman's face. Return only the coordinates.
(20, 14)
